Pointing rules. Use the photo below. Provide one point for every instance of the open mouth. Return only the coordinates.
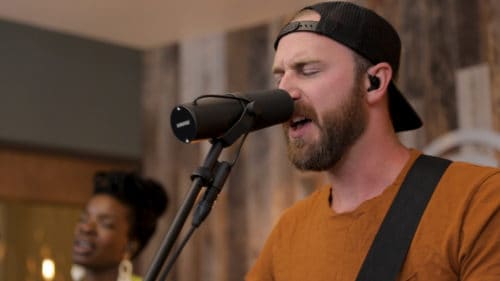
(298, 122)
(83, 246)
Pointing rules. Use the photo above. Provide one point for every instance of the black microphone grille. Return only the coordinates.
(212, 115)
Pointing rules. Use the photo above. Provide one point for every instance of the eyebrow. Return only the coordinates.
(277, 70)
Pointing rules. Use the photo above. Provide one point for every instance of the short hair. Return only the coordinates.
(146, 199)
(361, 64)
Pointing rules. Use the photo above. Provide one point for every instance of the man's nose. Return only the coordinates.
(288, 84)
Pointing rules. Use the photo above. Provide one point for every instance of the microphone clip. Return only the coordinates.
(242, 126)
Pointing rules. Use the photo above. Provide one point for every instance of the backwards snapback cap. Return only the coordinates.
(370, 36)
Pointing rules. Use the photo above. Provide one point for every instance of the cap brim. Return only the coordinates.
(403, 116)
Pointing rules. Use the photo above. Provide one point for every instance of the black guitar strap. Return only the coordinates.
(388, 251)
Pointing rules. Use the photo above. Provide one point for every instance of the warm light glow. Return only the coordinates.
(48, 269)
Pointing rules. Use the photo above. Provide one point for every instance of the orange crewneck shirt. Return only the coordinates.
(458, 237)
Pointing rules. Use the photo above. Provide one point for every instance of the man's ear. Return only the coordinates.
(377, 81)
(374, 82)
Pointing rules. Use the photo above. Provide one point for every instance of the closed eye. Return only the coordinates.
(308, 69)
(309, 72)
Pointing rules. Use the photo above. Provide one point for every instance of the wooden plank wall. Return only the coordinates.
(490, 35)
(52, 176)
(439, 38)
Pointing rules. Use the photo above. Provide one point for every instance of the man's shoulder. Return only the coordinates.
(469, 171)
(463, 179)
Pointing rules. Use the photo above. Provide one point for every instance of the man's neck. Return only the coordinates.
(365, 172)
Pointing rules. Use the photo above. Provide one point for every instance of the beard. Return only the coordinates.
(342, 127)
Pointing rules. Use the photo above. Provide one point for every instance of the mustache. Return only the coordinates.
(302, 109)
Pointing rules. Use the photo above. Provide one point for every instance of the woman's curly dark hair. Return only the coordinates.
(146, 199)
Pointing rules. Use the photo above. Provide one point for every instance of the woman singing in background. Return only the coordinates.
(116, 224)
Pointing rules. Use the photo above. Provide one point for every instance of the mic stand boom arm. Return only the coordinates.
(202, 176)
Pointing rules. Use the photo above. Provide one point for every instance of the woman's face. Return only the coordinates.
(102, 233)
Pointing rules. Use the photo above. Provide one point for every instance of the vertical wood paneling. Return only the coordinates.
(490, 15)
(203, 72)
(474, 97)
(159, 144)
(427, 31)
(247, 70)
(474, 106)
(468, 33)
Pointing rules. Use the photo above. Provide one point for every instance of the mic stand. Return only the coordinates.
(202, 176)
(202, 210)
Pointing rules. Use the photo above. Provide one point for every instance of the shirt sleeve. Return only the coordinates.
(479, 254)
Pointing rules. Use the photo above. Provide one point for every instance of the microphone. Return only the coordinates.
(212, 115)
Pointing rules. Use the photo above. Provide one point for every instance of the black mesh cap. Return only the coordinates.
(370, 36)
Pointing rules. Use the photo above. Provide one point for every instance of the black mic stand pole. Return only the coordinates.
(201, 177)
